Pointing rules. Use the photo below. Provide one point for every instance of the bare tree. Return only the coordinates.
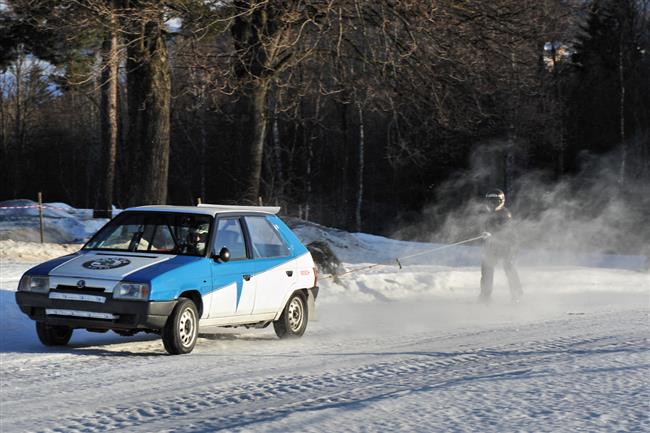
(109, 111)
(149, 94)
(267, 37)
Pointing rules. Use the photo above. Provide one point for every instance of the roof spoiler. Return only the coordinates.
(225, 208)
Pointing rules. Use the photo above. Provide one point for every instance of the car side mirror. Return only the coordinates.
(223, 256)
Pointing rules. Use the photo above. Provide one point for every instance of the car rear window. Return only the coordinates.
(265, 239)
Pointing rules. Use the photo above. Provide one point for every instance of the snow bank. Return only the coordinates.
(19, 221)
(454, 273)
(33, 251)
(360, 248)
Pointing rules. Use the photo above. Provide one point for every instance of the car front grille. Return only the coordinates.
(75, 289)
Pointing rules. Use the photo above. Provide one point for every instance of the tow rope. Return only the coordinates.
(398, 260)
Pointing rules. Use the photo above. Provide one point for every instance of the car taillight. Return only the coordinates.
(315, 276)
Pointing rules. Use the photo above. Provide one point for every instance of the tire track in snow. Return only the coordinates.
(220, 407)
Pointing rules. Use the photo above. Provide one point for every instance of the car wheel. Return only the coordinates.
(182, 328)
(293, 321)
(53, 335)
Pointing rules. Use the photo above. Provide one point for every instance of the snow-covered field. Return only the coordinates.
(391, 350)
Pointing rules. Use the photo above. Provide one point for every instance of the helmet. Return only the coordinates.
(495, 199)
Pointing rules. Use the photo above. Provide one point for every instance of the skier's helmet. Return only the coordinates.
(495, 199)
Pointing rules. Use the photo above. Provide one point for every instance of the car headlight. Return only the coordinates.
(134, 291)
(36, 284)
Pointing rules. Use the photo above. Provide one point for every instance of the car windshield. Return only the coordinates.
(152, 232)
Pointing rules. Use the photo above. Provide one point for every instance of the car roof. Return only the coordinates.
(207, 209)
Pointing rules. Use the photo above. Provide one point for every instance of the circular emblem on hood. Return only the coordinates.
(107, 263)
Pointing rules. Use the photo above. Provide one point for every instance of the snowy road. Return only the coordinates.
(578, 361)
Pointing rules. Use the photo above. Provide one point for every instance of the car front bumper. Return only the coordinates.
(110, 314)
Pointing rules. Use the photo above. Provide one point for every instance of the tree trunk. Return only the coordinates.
(278, 169)
(361, 166)
(252, 33)
(4, 153)
(122, 185)
(621, 179)
(345, 180)
(108, 120)
(509, 165)
(203, 152)
(310, 157)
(254, 133)
(18, 126)
(149, 95)
(3, 125)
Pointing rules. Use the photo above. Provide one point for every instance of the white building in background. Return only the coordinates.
(555, 52)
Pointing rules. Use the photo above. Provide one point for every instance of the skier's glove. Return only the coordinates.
(486, 235)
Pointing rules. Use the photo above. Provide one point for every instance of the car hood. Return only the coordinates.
(107, 266)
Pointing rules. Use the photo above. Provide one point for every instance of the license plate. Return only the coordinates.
(84, 314)
(77, 297)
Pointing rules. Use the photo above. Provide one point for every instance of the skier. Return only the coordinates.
(500, 245)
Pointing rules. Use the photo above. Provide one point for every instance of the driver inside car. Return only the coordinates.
(195, 241)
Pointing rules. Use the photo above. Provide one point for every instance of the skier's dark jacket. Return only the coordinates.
(504, 239)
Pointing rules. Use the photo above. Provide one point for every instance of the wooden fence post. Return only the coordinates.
(40, 213)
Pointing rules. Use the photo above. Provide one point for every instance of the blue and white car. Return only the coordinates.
(176, 270)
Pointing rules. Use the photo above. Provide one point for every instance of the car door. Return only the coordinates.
(272, 258)
(233, 288)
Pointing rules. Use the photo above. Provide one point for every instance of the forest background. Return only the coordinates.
(381, 116)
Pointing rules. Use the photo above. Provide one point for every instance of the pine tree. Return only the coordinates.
(607, 61)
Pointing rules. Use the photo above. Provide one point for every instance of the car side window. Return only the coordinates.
(231, 236)
(265, 239)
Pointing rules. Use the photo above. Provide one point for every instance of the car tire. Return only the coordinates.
(293, 321)
(53, 335)
(182, 328)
